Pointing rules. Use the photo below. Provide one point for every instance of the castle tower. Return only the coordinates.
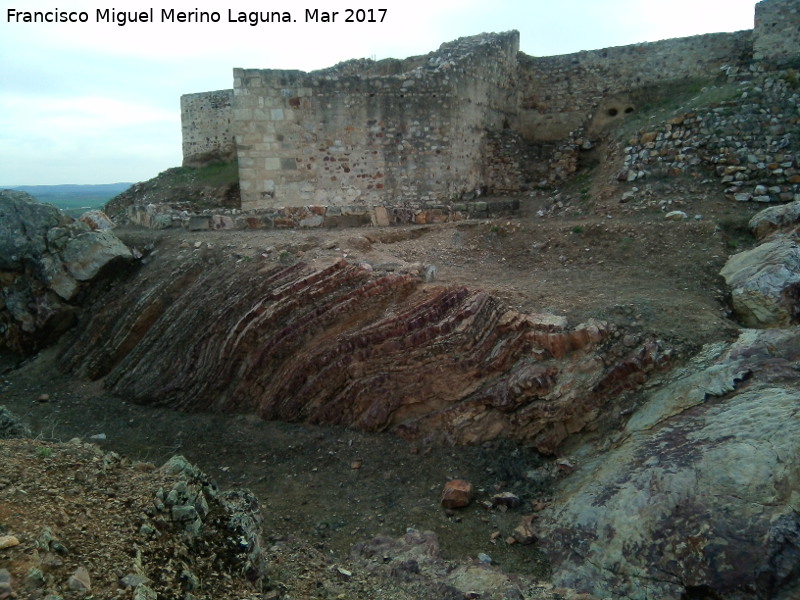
(777, 32)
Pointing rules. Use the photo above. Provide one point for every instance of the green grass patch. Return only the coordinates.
(212, 175)
(44, 452)
(658, 104)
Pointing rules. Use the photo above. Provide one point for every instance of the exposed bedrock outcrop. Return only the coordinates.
(765, 283)
(702, 498)
(416, 561)
(46, 259)
(343, 345)
(765, 280)
(783, 217)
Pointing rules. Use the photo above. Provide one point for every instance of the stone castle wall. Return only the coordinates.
(339, 138)
(777, 26)
(560, 94)
(472, 117)
(206, 128)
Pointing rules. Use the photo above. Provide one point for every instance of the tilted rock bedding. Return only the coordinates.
(346, 345)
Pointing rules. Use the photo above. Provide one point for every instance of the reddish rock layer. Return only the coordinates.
(345, 346)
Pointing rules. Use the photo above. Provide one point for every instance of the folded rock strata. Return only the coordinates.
(346, 346)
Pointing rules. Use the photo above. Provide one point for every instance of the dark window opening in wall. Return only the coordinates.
(506, 124)
(629, 110)
(612, 112)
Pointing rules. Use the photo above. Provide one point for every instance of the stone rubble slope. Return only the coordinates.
(92, 523)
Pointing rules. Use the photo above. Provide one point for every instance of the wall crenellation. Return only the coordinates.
(476, 115)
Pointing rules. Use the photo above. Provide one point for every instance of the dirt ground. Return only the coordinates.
(580, 252)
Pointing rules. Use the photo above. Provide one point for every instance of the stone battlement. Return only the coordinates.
(450, 124)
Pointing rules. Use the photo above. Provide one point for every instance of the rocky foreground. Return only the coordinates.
(80, 522)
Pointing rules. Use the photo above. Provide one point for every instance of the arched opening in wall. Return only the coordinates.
(629, 110)
(613, 112)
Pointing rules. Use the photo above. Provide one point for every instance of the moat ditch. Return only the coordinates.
(326, 486)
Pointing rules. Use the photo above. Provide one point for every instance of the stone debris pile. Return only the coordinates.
(748, 141)
(84, 523)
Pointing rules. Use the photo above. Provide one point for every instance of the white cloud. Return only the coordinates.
(89, 115)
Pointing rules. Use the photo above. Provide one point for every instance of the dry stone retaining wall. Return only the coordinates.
(747, 142)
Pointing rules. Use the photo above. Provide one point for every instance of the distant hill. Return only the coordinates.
(74, 199)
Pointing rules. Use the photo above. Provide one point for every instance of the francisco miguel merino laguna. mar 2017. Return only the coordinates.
(170, 15)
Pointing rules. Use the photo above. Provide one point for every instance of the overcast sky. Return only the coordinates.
(99, 103)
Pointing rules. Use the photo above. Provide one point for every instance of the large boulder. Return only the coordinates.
(46, 258)
(765, 283)
(23, 227)
(775, 218)
(87, 254)
(700, 499)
